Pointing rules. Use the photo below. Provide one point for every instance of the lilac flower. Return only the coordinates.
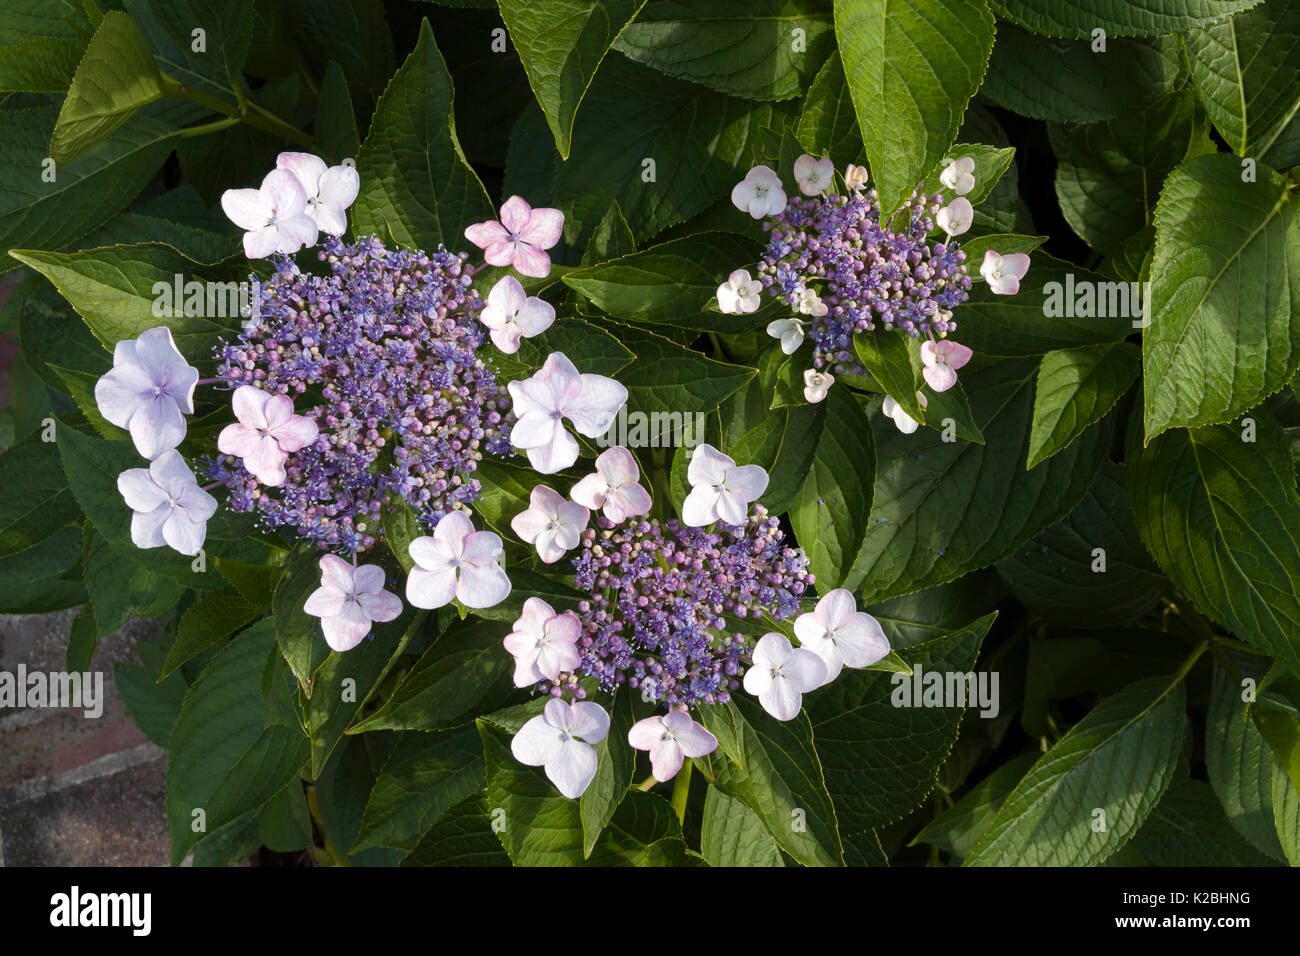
(555, 392)
(149, 391)
(670, 739)
(941, 359)
(457, 562)
(782, 674)
(510, 315)
(543, 643)
(551, 523)
(721, 490)
(521, 238)
(274, 215)
(266, 433)
(329, 190)
(840, 634)
(170, 507)
(613, 487)
(560, 740)
(348, 600)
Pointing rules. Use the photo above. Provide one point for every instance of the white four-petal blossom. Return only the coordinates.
(813, 175)
(904, 422)
(560, 739)
(941, 359)
(553, 393)
(840, 634)
(816, 384)
(670, 738)
(613, 487)
(760, 193)
(521, 238)
(789, 332)
(274, 216)
(330, 190)
(348, 600)
(956, 217)
(457, 562)
(170, 507)
(1003, 273)
(781, 674)
(721, 490)
(544, 644)
(739, 294)
(511, 314)
(855, 177)
(149, 391)
(267, 431)
(551, 523)
(958, 175)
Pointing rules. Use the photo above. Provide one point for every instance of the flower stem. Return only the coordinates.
(253, 115)
(682, 789)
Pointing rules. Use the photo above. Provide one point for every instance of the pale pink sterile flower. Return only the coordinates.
(544, 644)
(956, 217)
(266, 433)
(840, 634)
(613, 487)
(855, 177)
(781, 674)
(789, 332)
(511, 314)
(553, 393)
(457, 562)
(816, 385)
(813, 175)
(551, 523)
(521, 238)
(348, 600)
(760, 193)
(560, 739)
(903, 421)
(721, 490)
(810, 303)
(149, 391)
(330, 190)
(170, 507)
(958, 177)
(1003, 273)
(670, 738)
(274, 216)
(941, 359)
(739, 294)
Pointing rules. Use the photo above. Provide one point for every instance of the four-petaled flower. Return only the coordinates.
(905, 422)
(1003, 273)
(521, 238)
(720, 489)
(781, 674)
(760, 193)
(613, 487)
(330, 190)
(511, 315)
(958, 175)
(553, 393)
(551, 523)
(810, 303)
(560, 739)
(457, 562)
(149, 391)
(274, 216)
(840, 634)
(941, 359)
(266, 433)
(544, 644)
(170, 507)
(739, 293)
(956, 217)
(813, 175)
(855, 177)
(671, 738)
(789, 331)
(816, 384)
(348, 600)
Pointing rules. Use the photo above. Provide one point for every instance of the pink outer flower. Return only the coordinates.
(855, 177)
(520, 238)
(149, 391)
(760, 193)
(1003, 273)
(560, 740)
(942, 358)
(721, 490)
(781, 674)
(329, 190)
(903, 421)
(555, 392)
(267, 432)
(274, 215)
(959, 175)
(457, 562)
(840, 634)
(956, 217)
(813, 175)
(551, 523)
(170, 507)
(511, 315)
(670, 739)
(544, 644)
(348, 600)
(613, 487)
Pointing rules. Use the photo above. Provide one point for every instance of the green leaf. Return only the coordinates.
(957, 828)
(923, 615)
(667, 378)
(894, 360)
(336, 124)
(209, 620)
(828, 125)
(1118, 17)
(1076, 389)
(731, 834)
(614, 769)
(352, 33)
(784, 443)
(39, 65)
(297, 633)
(749, 52)
(612, 239)
(561, 44)
(284, 825)
(1001, 243)
(593, 348)
(1189, 828)
(1222, 519)
(912, 66)
(1119, 759)
(643, 832)
(463, 837)
(416, 185)
(154, 705)
(991, 164)
(37, 502)
(505, 490)
(1225, 290)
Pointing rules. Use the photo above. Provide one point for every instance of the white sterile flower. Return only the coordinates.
(840, 634)
(551, 523)
(789, 331)
(813, 175)
(739, 294)
(555, 392)
(760, 193)
(348, 600)
(613, 486)
(1003, 273)
(149, 391)
(816, 384)
(810, 303)
(855, 177)
(457, 562)
(560, 740)
(511, 314)
(274, 216)
(905, 422)
(958, 177)
(721, 490)
(941, 359)
(330, 190)
(544, 644)
(956, 217)
(670, 738)
(170, 507)
(781, 674)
